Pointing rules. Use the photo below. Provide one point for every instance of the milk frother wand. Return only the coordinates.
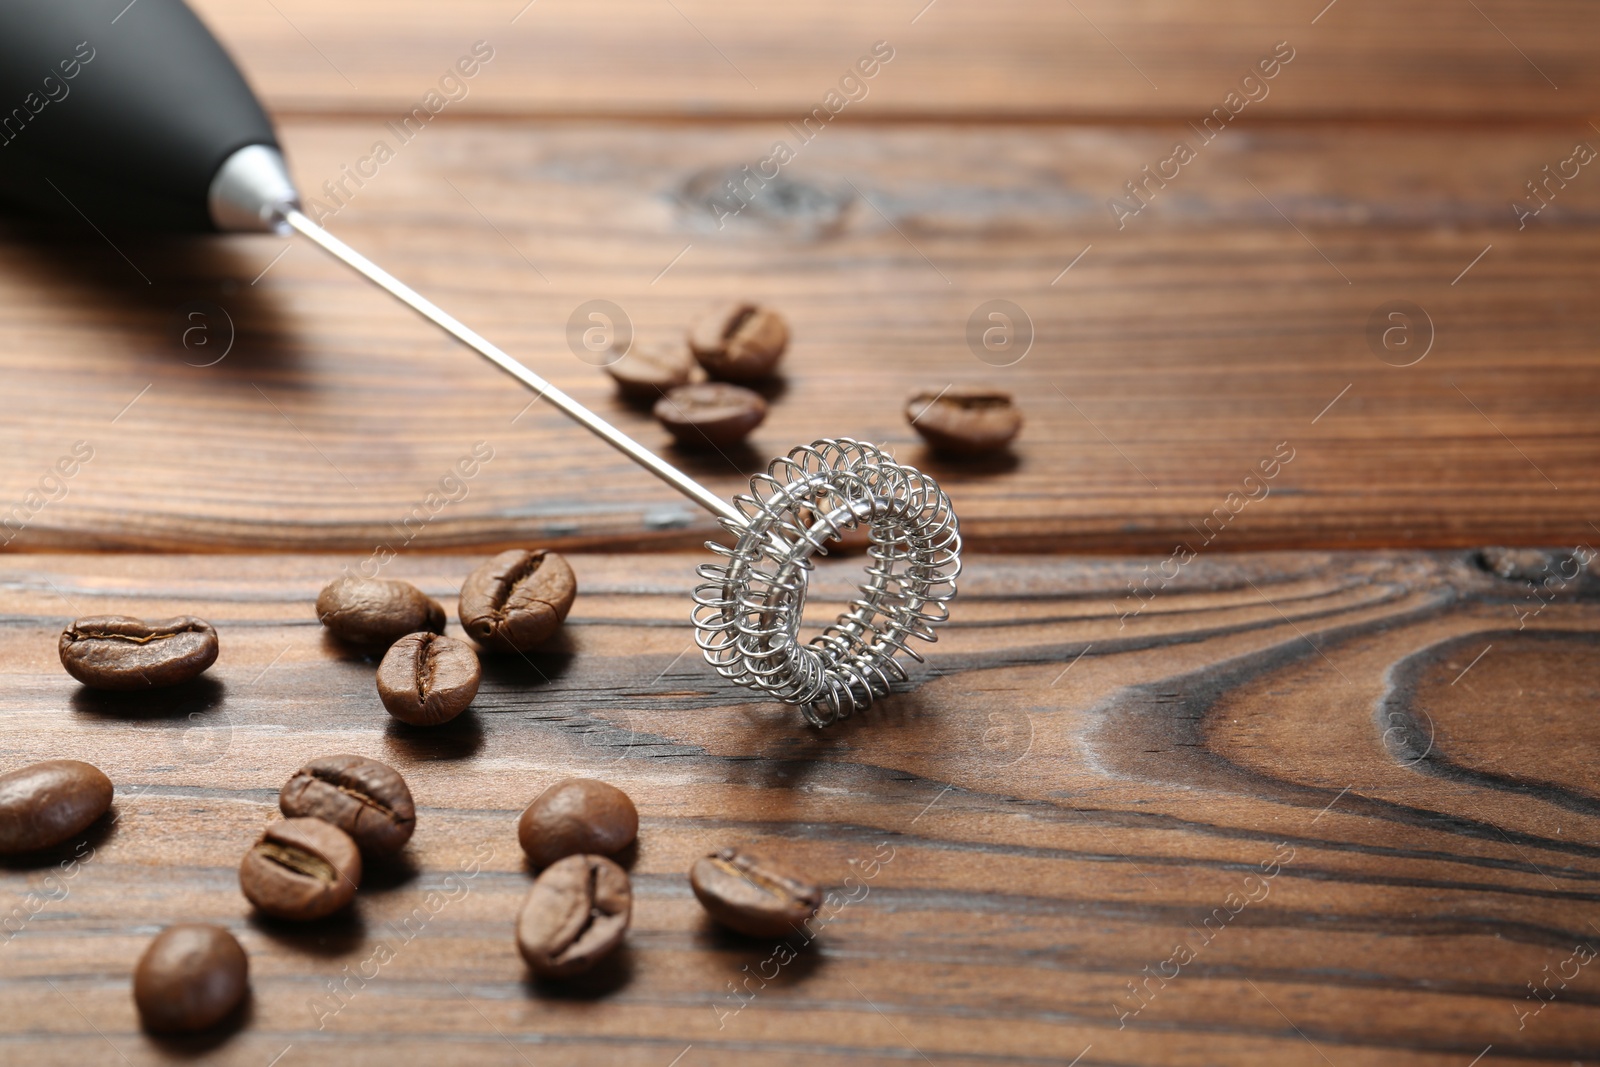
(133, 114)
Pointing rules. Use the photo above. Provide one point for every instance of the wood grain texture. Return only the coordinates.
(1168, 363)
(1070, 793)
(1020, 58)
(1053, 840)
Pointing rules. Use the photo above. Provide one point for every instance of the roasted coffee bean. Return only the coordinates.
(965, 421)
(575, 914)
(517, 600)
(753, 895)
(374, 613)
(739, 342)
(575, 816)
(118, 652)
(646, 373)
(428, 679)
(710, 415)
(301, 869)
(50, 802)
(366, 799)
(191, 977)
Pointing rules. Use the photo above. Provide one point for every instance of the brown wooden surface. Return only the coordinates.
(1220, 321)
(1168, 362)
(1067, 796)
(1058, 823)
(1085, 59)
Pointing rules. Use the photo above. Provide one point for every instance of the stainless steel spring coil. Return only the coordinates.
(747, 612)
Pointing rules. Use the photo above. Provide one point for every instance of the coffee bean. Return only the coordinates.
(374, 613)
(118, 652)
(965, 421)
(191, 977)
(645, 373)
(575, 914)
(575, 816)
(428, 679)
(710, 415)
(517, 600)
(752, 895)
(739, 342)
(301, 869)
(366, 799)
(50, 802)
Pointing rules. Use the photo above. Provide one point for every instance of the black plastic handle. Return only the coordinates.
(124, 112)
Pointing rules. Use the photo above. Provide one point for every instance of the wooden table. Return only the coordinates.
(1323, 794)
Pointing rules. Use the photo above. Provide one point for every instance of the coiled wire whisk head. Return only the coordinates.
(748, 610)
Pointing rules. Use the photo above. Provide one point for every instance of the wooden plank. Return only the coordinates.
(1366, 743)
(1227, 321)
(1094, 58)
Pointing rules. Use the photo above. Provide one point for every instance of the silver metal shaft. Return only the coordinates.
(602, 429)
